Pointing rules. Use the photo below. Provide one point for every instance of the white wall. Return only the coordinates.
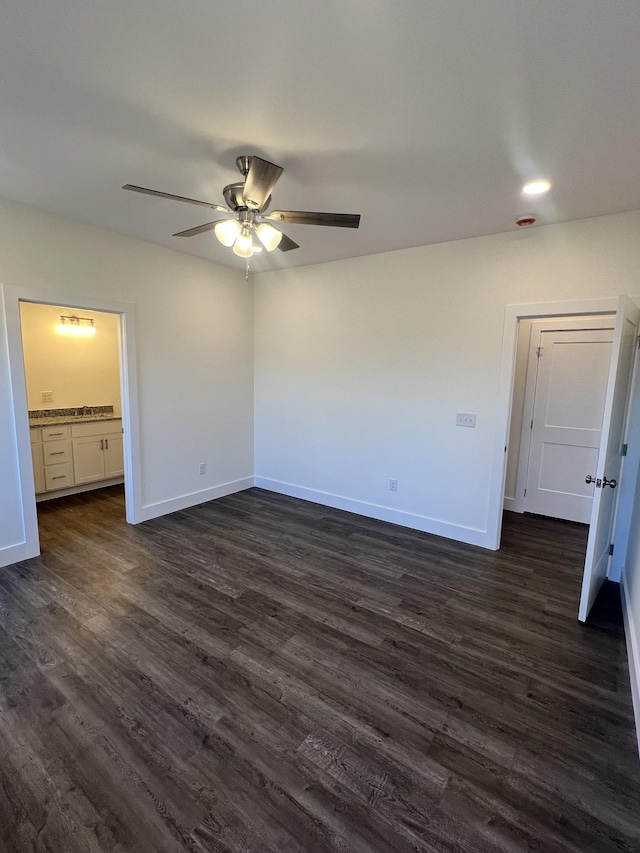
(79, 371)
(362, 364)
(194, 353)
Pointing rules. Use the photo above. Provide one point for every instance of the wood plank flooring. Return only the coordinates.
(260, 674)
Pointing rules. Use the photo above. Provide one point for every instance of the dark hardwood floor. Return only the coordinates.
(264, 674)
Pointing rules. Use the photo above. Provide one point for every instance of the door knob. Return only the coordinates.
(589, 479)
(612, 483)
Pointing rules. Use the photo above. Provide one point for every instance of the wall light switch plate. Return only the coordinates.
(202, 468)
(466, 419)
(46, 396)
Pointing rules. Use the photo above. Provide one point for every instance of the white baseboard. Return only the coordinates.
(15, 553)
(513, 504)
(78, 490)
(633, 653)
(423, 523)
(194, 498)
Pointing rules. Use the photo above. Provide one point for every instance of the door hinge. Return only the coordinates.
(539, 351)
(531, 427)
(611, 549)
(625, 448)
(638, 341)
(525, 493)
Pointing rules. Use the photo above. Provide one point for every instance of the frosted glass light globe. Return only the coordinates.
(227, 231)
(243, 247)
(269, 236)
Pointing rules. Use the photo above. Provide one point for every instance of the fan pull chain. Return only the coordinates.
(246, 276)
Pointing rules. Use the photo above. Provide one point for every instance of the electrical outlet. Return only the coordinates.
(46, 396)
(465, 419)
(393, 485)
(203, 468)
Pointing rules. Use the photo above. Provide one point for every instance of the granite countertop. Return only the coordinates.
(64, 417)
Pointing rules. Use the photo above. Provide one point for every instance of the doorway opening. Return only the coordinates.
(610, 456)
(72, 378)
(559, 390)
(14, 298)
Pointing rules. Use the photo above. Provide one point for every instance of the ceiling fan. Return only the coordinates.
(248, 202)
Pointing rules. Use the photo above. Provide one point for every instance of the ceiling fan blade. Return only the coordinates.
(174, 197)
(305, 217)
(286, 244)
(261, 179)
(200, 229)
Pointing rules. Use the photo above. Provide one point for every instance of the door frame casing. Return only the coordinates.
(12, 296)
(513, 315)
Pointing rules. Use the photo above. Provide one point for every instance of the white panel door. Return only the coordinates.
(572, 374)
(609, 463)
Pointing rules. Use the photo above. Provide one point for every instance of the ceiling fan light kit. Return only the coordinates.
(227, 231)
(269, 236)
(243, 246)
(248, 202)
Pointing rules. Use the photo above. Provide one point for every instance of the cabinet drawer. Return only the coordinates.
(96, 428)
(58, 476)
(56, 451)
(55, 433)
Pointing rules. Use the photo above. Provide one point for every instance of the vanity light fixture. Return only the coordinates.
(79, 327)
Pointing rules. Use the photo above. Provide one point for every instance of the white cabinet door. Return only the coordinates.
(88, 459)
(113, 455)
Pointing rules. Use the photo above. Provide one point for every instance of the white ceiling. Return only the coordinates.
(425, 116)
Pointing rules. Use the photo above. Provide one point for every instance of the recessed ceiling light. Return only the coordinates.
(536, 187)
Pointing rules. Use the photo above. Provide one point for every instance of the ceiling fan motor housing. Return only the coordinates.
(233, 195)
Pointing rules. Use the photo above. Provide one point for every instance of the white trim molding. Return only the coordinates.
(512, 505)
(470, 535)
(194, 498)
